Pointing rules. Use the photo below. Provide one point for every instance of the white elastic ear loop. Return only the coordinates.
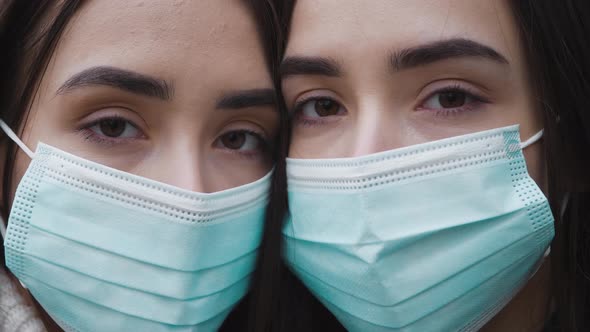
(26, 149)
(532, 140)
(15, 139)
(2, 228)
(29, 153)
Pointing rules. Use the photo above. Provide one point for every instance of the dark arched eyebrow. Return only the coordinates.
(303, 65)
(120, 79)
(240, 99)
(400, 60)
(443, 50)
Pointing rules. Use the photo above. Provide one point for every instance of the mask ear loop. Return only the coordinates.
(16, 140)
(532, 140)
(25, 148)
(2, 228)
(31, 155)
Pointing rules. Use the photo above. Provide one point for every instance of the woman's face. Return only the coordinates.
(361, 78)
(176, 91)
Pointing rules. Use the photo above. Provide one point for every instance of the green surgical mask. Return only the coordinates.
(432, 237)
(105, 250)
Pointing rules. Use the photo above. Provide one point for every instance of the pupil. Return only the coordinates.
(112, 127)
(234, 140)
(451, 99)
(326, 107)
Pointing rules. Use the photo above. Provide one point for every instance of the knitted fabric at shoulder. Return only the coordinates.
(15, 314)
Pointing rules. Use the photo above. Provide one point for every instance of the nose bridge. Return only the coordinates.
(180, 164)
(377, 127)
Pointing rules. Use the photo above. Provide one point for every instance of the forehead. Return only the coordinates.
(388, 24)
(172, 39)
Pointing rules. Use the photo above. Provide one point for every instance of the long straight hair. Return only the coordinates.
(555, 37)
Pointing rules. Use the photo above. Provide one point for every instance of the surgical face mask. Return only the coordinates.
(104, 250)
(432, 237)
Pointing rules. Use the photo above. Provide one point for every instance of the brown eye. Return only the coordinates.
(326, 107)
(234, 140)
(452, 99)
(320, 107)
(241, 140)
(112, 127)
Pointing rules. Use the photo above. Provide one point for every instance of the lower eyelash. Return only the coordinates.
(265, 145)
(296, 117)
(454, 111)
(91, 136)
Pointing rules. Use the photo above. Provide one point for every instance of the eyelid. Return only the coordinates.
(312, 94)
(447, 86)
(121, 113)
(249, 127)
(265, 145)
(244, 126)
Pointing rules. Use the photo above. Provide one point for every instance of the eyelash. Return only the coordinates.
(295, 114)
(93, 137)
(265, 145)
(469, 93)
(296, 111)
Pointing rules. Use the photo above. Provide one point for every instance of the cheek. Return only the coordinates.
(535, 160)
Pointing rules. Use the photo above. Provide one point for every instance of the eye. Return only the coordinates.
(452, 99)
(448, 99)
(115, 127)
(111, 130)
(241, 141)
(319, 108)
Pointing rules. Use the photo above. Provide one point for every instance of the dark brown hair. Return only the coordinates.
(555, 37)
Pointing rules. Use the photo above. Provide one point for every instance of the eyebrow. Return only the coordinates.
(400, 60)
(443, 50)
(302, 65)
(247, 98)
(121, 79)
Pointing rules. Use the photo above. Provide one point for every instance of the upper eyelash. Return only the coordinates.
(451, 88)
(457, 88)
(109, 117)
(96, 138)
(299, 104)
(265, 142)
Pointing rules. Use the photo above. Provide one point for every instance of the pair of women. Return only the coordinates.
(154, 128)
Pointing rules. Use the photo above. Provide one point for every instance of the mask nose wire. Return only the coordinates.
(532, 139)
(15, 139)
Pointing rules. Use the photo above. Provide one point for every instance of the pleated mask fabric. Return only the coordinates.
(105, 250)
(432, 237)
